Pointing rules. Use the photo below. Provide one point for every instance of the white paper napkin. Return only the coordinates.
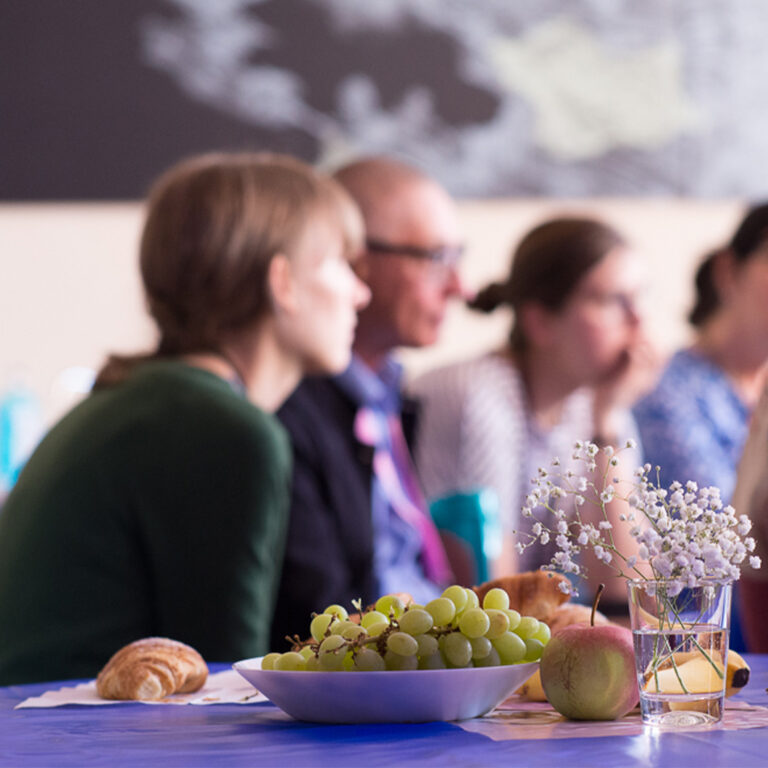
(227, 687)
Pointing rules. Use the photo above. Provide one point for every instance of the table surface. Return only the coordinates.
(262, 735)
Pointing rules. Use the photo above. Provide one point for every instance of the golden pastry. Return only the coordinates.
(151, 669)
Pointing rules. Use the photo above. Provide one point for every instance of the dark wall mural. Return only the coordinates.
(495, 98)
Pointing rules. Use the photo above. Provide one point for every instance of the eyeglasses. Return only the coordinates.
(627, 303)
(446, 255)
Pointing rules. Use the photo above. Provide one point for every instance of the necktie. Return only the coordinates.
(394, 469)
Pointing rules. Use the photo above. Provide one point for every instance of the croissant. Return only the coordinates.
(533, 593)
(151, 669)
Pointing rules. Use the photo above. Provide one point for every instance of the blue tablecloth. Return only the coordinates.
(261, 735)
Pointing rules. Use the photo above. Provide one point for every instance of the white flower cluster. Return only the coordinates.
(685, 534)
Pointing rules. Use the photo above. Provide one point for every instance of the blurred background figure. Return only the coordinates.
(694, 423)
(575, 361)
(158, 506)
(750, 497)
(358, 525)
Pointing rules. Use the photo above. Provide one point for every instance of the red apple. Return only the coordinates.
(588, 672)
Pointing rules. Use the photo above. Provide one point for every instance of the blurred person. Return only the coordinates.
(694, 423)
(750, 497)
(158, 506)
(575, 361)
(358, 525)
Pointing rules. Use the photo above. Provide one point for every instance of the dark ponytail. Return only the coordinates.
(490, 298)
(707, 299)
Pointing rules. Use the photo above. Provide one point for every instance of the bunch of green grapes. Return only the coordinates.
(453, 631)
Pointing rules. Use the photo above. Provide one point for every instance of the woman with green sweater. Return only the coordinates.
(158, 505)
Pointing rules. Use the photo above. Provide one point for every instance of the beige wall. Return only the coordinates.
(69, 290)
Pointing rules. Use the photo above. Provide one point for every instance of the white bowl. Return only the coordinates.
(418, 696)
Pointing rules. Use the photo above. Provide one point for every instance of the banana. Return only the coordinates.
(696, 672)
(532, 689)
(737, 673)
(698, 675)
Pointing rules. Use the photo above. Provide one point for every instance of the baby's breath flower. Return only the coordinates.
(684, 533)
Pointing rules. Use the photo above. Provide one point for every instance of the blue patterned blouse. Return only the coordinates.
(693, 425)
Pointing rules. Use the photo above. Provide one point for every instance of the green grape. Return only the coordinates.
(306, 652)
(474, 622)
(510, 647)
(457, 650)
(313, 664)
(415, 621)
(367, 660)
(496, 598)
(457, 595)
(348, 663)
(374, 630)
(338, 627)
(396, 662)
(442, 610)
(533, 649)
(390, 605)
(403, 644)
(331, 654)
(319, 625)
(433, 661)
(428, 645)
(473, 601)
(481, 647)
(491, 660)
(498, 623)
(527, 627)
(354, 632)
(338, 611)
(373, 617)
(290, 662)
(268, 662)
(514, 619)
(543, 633)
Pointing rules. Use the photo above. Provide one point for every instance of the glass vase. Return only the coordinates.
(681, 648)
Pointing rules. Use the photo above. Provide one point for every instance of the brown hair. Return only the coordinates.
(547, 266)
(749, 236)
(213, 224)
(707, 300)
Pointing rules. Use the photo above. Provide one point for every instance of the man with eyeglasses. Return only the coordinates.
(359, 527)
